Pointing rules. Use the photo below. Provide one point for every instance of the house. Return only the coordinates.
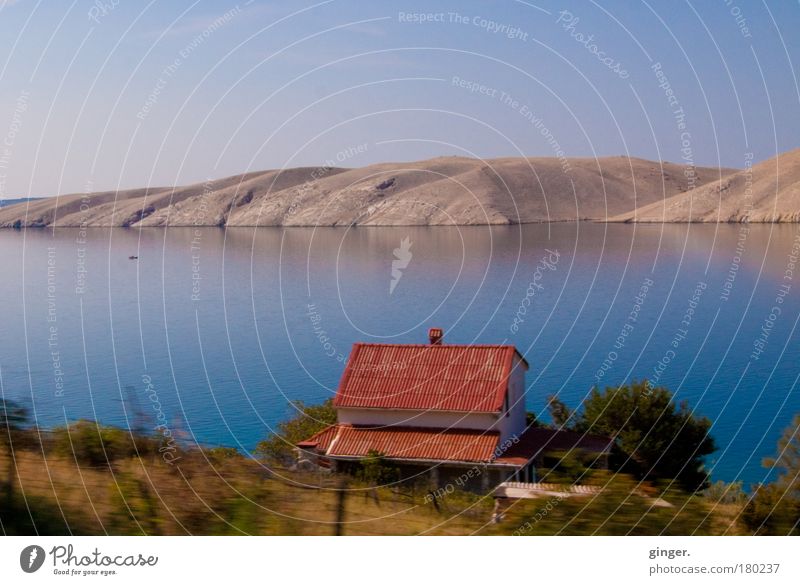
(440, 413)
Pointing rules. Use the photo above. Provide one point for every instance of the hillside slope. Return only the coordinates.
(767, 192)
(439, 191)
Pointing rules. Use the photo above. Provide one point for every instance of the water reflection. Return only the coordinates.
(232, 324)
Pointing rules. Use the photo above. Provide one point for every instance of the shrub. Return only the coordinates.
(720, 492)
(771, 512)
(774, 509)
(221, 454)
(308, 420)
(622, 507)
(13, 420)
(375, 470)
(654, 438)
(95, 445)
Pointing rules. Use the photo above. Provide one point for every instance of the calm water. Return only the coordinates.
(229, 326)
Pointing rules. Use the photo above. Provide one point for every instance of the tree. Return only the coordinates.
(13, 419)
(720, 492)
(771, 513)
(559, 412)
(774, 508)
(307, 421)
(788, 459)
(653, 437)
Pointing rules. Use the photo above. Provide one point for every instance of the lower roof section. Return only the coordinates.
(447, 445)
(428, 444)
(537, 441)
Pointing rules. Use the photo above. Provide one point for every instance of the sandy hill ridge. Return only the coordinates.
(767, 192)
(439, 191)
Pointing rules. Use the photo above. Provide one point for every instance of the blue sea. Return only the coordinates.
(225, 328)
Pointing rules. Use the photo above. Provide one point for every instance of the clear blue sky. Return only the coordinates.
(270, 84)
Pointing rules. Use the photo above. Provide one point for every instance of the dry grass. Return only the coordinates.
(205, 493)
(201, 495)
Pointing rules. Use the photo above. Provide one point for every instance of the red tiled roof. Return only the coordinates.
(406, 443)
(320, 440)
(464, 378)
(342, 440)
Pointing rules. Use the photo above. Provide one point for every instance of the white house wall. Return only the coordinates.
(516, 424)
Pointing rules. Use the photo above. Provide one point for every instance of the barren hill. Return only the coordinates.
(439, 191)
(767, 192)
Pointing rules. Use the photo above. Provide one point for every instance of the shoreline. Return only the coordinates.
(647, 222)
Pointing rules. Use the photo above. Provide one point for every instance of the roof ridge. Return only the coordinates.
(439, 346)
(453, 378)
(417, 429)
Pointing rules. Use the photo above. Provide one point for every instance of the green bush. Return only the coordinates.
(375, 470)
(308, 420)
(96, 445)
(774, 509)
(770, 512)
(219, 455)
(13, 421)
(720, 492)
(567, 467)
(654, 438)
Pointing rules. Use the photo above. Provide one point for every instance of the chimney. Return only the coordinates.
(435, 336)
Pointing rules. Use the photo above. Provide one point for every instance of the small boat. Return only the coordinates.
(133, 257)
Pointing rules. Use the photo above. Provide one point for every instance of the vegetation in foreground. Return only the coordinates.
(92, 479)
